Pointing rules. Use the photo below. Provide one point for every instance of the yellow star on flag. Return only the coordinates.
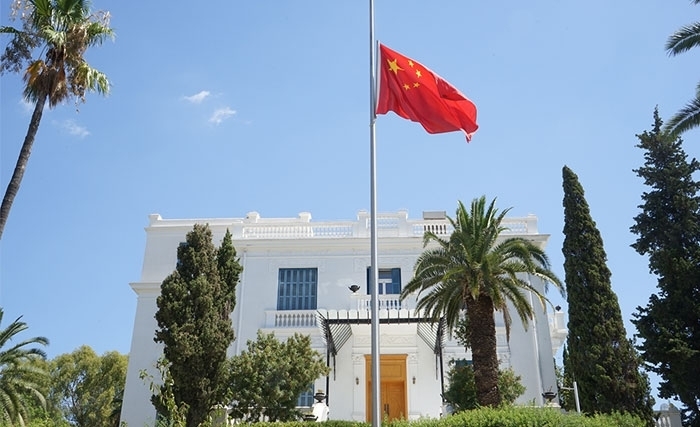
(393, 66)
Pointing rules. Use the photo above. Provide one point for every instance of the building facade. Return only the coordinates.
(312, 278)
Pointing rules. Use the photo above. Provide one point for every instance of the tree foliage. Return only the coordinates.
(61, 31)
(194, 323)
(461, 389)
(21, 380)
(176, 412)
(600, 357)
(475, 268)
(268, 377)
(87, 388)
(668, 232)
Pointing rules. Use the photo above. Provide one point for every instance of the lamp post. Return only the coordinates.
(575, 389)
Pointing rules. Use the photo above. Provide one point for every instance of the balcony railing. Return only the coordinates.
(290, 318)
(386, 302)
(360, 308)
(388, 225)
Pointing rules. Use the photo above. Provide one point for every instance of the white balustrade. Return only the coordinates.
(290, 318)
(388, 225)
(386, 302)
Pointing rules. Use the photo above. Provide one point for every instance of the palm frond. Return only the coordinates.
(9, 30)
(686, 38)
(686, 119)
(18, 374)
(98, 32)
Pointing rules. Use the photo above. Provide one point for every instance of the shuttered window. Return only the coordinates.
(297, 288)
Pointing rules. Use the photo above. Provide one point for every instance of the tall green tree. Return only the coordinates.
(600, 357)
(194, 323)
(85, 386)
(20, 379)
(268, 377)
(61, 31)
(684, 39)
(668, 233)
(478, 269)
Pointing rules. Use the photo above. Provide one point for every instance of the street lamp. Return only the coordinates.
(575, 389)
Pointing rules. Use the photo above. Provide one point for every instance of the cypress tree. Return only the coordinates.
(229, 270)
(600, 357)
(668, 230)
(194, 322)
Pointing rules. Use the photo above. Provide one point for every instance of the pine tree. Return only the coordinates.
(601, 358)
(668, 230)
(194, 322)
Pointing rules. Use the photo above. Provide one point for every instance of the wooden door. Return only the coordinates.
(393, 400)
(392, 386)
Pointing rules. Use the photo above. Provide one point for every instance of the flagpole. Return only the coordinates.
(374, 277)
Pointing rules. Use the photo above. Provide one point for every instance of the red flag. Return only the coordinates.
(415, 93)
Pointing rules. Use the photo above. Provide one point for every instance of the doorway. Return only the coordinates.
(392, 368)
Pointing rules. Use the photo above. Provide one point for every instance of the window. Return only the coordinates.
(181, 248)
(389, 281)
(296, 288)
(460, 363)
(306, 399)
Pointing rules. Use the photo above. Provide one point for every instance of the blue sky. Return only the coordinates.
(264, 106)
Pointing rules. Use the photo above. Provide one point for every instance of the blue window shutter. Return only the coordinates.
(396, 280)
(369, 279)
(297, 289)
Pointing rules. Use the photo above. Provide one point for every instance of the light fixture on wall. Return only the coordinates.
(354, 288)
(414, 379)
(357, 381)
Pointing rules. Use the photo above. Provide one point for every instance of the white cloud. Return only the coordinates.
(74, 129)
(198, 97)
(221, 114)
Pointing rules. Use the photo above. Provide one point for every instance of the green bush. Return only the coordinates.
(515, 416)
(508, 416)
(461, 391)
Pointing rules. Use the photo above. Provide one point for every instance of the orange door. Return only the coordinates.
(394, 400)
(392, 387)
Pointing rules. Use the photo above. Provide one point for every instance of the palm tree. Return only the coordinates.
(61, 30)
(686, 38)
(20, 379)
(476, 270)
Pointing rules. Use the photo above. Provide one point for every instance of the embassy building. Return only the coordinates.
(312, 278)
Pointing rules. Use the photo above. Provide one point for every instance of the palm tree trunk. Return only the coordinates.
(482, 334)
(16, 180)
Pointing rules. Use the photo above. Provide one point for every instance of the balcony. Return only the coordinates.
(360, 307)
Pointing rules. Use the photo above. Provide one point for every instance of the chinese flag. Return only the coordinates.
(415, 93)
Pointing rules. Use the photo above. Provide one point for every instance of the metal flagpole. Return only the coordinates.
(374, 276)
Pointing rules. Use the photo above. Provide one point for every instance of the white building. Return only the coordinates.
(297, 277)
